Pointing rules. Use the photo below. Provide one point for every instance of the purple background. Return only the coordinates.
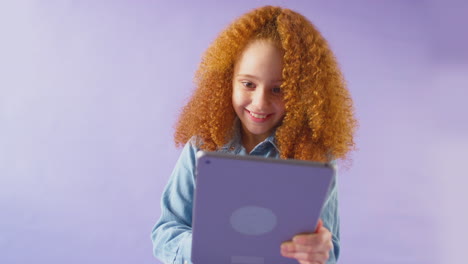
(90, 90)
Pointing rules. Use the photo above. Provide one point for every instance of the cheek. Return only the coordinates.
(236, 103)
(238, 98)
(280, 105)
(234, 96)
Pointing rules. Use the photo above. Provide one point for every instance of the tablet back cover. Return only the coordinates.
(246, 206)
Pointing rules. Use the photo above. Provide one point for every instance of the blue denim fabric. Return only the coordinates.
(172, 234)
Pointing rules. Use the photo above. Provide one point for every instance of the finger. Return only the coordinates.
(288, 247)
(319, 225)
(310, 262)
(313, 239)
(325, 247)
(313, 243)
(319, 257)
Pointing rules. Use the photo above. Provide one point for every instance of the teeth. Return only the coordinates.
(257, 116)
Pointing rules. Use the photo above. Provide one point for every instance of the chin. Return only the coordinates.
(258, 132)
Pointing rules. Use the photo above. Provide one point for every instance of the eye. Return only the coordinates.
(276, 90)
(248, 84)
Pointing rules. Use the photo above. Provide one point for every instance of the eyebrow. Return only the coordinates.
(254, 77)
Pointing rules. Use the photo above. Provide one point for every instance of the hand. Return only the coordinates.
(310, 248)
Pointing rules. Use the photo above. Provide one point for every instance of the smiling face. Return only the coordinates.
(257, 98)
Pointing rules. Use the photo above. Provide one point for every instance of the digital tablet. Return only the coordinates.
(246, 206)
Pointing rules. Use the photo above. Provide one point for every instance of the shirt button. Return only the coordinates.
(185, 262)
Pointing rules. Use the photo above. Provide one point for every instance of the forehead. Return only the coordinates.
(260, 55)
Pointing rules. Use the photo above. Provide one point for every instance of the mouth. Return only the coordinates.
(258, 116)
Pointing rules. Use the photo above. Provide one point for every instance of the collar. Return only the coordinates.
(235, 144)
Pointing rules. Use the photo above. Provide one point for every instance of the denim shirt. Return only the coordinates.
(172, 234)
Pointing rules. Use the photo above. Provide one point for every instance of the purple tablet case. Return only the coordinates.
(246, 206)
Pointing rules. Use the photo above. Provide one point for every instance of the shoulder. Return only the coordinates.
(188, 155)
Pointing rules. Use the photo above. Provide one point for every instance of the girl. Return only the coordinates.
(267, 86)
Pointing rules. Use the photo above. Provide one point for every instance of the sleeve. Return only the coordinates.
(331, 219)
(172, 233)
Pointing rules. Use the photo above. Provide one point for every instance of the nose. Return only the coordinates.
(260, 99)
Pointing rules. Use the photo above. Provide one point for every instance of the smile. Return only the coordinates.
(258, 116)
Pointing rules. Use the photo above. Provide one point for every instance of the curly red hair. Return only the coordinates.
(319, 122)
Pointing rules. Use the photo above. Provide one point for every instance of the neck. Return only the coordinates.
(249, 141)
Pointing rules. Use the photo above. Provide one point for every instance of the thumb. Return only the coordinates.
(319, 225)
